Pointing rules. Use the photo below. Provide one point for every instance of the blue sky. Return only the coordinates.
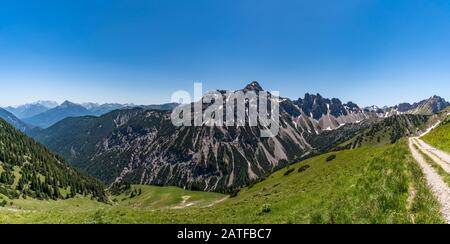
(368, 51)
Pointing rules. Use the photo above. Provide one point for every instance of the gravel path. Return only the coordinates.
(438, 156)
(439, 188)
(218, 201)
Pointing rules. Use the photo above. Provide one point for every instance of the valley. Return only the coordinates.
(331, 162)
(203, 114)
(142, 146)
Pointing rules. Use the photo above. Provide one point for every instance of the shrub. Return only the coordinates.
(265, 209)
(119, 187)
(234, 192)
(316, 218)
(135, 192)
(331, 158)
(303, 168)
(289, 171)
(254, 182)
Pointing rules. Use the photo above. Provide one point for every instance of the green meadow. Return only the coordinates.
(381, 184)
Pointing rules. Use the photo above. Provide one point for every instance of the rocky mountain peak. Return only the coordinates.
(316, 106)
(254, 86)
(47, 103)
(68, 103)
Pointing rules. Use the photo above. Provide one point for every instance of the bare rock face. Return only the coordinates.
(317, 114)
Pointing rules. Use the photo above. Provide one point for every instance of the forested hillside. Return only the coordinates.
(28, 169)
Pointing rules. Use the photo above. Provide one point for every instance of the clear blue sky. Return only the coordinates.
(367, 51)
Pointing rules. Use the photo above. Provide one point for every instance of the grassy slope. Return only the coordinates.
(75, 210)
(367, 185)
(387, 131)
(440, 137)
(154, 197)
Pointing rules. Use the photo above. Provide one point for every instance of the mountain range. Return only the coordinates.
(322, 113)
(51, 116)
(31, 109)
(148, 149)
(142, 146)
(328, 154)
(100, 109)
(428, 106)
(43, 114)
(138, 144)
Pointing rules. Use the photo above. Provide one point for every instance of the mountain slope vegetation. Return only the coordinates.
(380, 184)
(369, 133)
(28, 169)
(440, 136)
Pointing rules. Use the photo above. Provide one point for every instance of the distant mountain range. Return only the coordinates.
(51, 116)
(44, 114)
(142, 146)
(314, 110)
(31, 109)
(101, 109)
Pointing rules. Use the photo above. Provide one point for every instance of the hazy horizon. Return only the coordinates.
(59, 102)
(375, 52)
